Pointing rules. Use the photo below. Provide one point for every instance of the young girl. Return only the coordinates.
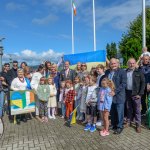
(43, 93)
(62, 100)
(69, 98)
(52, 103)
(85, 85)
(104, 103)
(77, 89)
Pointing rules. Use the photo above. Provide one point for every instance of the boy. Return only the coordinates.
(91, 107)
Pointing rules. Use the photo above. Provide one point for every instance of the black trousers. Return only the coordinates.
(143, 101)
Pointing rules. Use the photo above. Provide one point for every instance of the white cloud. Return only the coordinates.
(15, 6)
(45, 20)
(34, 58)
(117, 15)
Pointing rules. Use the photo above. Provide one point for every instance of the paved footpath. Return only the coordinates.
(54, 135)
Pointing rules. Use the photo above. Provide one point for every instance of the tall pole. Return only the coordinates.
(144, 25)
(72, 28)
(1, 53)
(94, 25)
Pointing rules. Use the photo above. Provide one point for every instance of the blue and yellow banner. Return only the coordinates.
(90, 58)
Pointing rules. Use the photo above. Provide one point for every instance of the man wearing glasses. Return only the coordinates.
(11, 74)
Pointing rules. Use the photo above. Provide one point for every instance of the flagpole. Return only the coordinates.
(94, 25)
(144, 25)
(72, 28)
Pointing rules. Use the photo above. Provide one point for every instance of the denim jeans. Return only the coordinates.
(117, 115)
(1, 103)
(63, 109)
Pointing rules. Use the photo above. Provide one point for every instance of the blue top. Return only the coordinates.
(104, 99)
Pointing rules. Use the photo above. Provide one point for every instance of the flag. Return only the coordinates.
(74, 8)
(72, 117)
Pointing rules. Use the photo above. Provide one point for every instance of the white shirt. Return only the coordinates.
(17, 85)
(129, 80)
(35, 80)
(90, 91)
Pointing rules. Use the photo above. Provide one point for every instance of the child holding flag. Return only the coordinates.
(91, 105)
(69, 98)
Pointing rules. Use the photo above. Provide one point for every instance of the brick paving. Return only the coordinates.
(54, 135)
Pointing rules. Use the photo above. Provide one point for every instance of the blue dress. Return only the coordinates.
(104, 99)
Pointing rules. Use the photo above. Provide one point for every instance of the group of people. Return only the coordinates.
(99, 94)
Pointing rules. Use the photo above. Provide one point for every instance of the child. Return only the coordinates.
(91, 105)
(85, 85)
(104, 103)
(62, 100)
(77, 89)
(43, 91)
(69, 98)
(52, 103)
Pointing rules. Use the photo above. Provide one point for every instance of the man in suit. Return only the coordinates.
(134, 91)
(67, 73)
(119, 77)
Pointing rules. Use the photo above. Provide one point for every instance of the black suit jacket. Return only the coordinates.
(71, 75)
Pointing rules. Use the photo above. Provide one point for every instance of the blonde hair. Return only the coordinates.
(52, 80)
(110, 83)
(20, 70)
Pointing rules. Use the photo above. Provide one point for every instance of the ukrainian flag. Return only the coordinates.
(92, 59)
(72, 117)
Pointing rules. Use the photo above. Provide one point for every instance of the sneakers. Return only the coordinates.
(99, 123)
(87, 127)
(104, 132)
(90, 128)
(50, 117)
(53, 117)
(93, 128)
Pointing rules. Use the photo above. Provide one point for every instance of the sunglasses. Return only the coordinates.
(7, 66)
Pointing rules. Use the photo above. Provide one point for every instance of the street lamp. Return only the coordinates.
(1, 53)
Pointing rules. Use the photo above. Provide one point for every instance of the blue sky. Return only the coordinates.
(38, 30)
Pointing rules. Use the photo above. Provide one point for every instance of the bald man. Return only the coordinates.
(119, 77)
(134, 91)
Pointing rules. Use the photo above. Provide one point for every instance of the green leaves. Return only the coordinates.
(131, 42)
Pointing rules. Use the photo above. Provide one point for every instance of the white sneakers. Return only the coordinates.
(52, 117)
(99, 123)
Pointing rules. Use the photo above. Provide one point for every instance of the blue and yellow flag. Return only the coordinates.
(90, 58)
(72, 117)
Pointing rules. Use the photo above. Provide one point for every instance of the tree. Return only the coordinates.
(111, 50)
(131, 42)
